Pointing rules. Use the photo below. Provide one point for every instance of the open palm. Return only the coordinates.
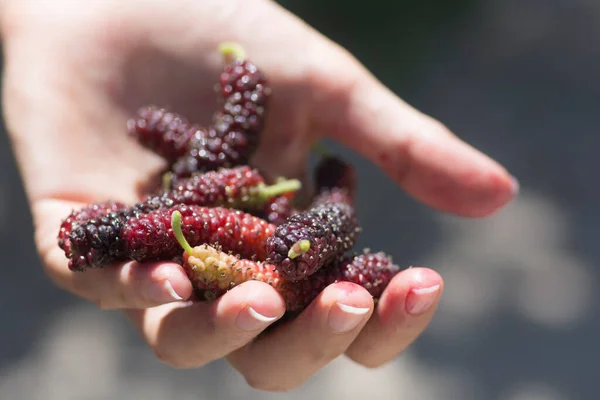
(75, 71)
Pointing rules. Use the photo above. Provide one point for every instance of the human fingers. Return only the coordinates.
(192, 334)
(290, 354)
(122, 285)
(403, 312)
(418, 152)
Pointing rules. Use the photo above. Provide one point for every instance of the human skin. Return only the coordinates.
(75, 71)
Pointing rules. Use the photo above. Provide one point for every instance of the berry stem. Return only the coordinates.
(176, 225)
(299, 248)
(232, 51)
(167, 180)
(282, 186)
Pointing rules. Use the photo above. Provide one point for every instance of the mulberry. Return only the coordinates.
(214, 272)
(83, 215)
(312, 238)
(236, 127)
(332, 172)
(96, 241)
(166, 133)
(278, 209)
(332, 196)
(240, 187)
(150, 236)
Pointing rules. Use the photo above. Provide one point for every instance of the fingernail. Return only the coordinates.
(420, 300)
(516, 187)
(163, 292)
(250, 320)
(344, 318)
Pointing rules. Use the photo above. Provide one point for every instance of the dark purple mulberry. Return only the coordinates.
(313, 238)
(96, 242)
(332, 172)
(236, 127)
(213, 151)
(83, 215)
(278, 209)
(245, 92)
(334, 195)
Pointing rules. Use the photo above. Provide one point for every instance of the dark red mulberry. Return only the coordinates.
(150, 236)
(96, 241)
(241, 187)
(166, 133)
(313, 238)
(236, 128)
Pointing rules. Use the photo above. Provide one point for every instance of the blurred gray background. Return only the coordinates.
(519, 320)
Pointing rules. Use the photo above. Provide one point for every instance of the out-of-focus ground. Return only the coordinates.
(519, 318)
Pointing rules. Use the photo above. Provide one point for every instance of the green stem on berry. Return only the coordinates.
(299, 248)
(176, 225)
(167, 180)
(282, 186)
(232, 51)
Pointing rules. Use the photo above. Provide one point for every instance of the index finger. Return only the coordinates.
(419, 153)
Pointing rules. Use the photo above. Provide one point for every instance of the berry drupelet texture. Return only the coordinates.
(244, 94)
(213, 273)
(332, 196)
(211, 151)
(96, 241)
(231, 187)
(166, 133)
(313, 238)
(278, 209)
(150, 236)
(81, 216)
(236, 128)
(370, 271)
(237, 187)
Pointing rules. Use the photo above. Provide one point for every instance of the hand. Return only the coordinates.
(74, 71)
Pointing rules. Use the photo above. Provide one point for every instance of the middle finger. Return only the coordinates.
(293, 352)
(192, 334)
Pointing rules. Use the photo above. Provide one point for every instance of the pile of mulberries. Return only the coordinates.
(217, 215)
